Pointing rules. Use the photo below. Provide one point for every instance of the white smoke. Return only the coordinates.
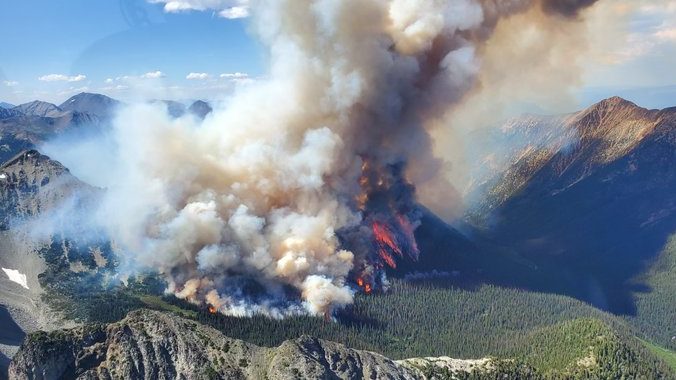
(261, 189)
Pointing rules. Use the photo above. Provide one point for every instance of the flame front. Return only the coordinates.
(387, 204)
(385, 244)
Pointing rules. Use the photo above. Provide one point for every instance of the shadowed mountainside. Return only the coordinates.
(591, 214)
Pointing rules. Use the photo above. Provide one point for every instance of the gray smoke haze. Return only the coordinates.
(260, 194)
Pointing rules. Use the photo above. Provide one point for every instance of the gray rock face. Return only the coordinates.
(156, 345)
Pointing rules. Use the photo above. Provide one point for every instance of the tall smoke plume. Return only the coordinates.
(300, 191)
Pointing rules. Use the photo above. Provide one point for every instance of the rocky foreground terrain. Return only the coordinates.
(156, 345)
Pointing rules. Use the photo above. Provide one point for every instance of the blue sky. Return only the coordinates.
(200, 48)
(103, 45)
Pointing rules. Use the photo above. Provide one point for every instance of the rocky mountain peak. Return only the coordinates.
(611, 128)
(95, 104)
(200, 109)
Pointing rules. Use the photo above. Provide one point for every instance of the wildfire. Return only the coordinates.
(387, 204)
(368, 288)
(212, 309)
(385, 243)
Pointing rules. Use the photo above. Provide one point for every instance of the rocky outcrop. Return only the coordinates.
(157, 345)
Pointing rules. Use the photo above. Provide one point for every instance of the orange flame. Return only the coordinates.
(364, 285)
(385, 241)
(212, 309)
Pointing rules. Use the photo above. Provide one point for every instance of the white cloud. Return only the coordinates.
(109, 80)
(152, 75)
(10, 83)
(62, 78)
(225, 8)
(237, 78)
(235, 12)
(197, 76)
(236, 75)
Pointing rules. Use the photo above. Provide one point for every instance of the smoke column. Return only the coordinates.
(300, 191)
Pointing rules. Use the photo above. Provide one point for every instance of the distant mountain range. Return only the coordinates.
(30, 124)
(97, 105)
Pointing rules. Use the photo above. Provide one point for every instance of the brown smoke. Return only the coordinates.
(302, 189)
(566, 8)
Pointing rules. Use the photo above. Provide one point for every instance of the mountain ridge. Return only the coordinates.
(39, 108)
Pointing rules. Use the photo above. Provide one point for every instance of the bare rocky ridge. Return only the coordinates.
(155, 345)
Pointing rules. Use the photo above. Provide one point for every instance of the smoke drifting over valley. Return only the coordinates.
(301, 190)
